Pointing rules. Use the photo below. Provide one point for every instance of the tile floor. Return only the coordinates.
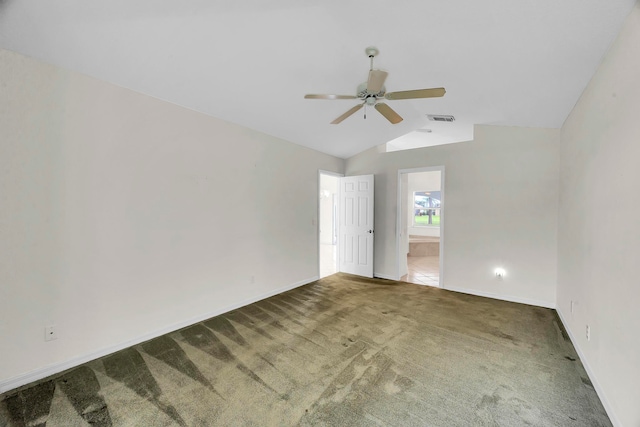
(423, 270)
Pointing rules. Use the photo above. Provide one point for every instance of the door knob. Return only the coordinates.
(370, 231)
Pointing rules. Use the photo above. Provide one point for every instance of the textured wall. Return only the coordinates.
(121, 214)
(599, 235)
(501, 200)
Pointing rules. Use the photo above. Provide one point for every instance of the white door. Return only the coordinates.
(355, 244)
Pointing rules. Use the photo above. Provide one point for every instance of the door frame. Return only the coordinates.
(337, 224)
(442, 217)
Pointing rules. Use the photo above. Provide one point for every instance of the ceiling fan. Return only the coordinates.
(373, 90)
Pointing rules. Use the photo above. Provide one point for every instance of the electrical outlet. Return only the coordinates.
(588, 333)
(573, 306)
(50, 333)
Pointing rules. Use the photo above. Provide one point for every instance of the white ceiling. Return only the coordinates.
(509, 62)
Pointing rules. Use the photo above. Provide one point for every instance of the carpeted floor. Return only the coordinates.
(343, 351)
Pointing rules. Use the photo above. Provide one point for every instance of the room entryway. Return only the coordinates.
(420, 218)
(423, 261)
(345, 228)
(328, 223)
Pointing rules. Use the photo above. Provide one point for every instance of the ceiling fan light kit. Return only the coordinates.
(373, 90)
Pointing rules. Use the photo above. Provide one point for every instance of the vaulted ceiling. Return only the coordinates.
(520, 63)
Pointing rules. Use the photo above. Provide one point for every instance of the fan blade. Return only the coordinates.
(376, 80)
(419, 93)
(347, 114)
(388, 113)
(311, 96)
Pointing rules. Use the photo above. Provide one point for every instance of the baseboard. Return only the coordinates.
(509, 298)
(384, 276)
(592, 377)
(38, 374)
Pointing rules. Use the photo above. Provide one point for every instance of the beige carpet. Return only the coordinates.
(343, 351)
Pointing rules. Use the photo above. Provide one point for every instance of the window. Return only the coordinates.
(426, 212)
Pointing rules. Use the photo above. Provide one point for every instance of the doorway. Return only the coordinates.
(328, 222)
(420, 224)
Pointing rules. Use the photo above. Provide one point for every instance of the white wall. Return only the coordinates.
(122, 215)
(599, 231)
(421, 181)
(509, 174)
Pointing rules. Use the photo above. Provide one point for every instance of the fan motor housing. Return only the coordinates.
(364, 94)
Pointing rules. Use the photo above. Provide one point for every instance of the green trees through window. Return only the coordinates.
(426, 208)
